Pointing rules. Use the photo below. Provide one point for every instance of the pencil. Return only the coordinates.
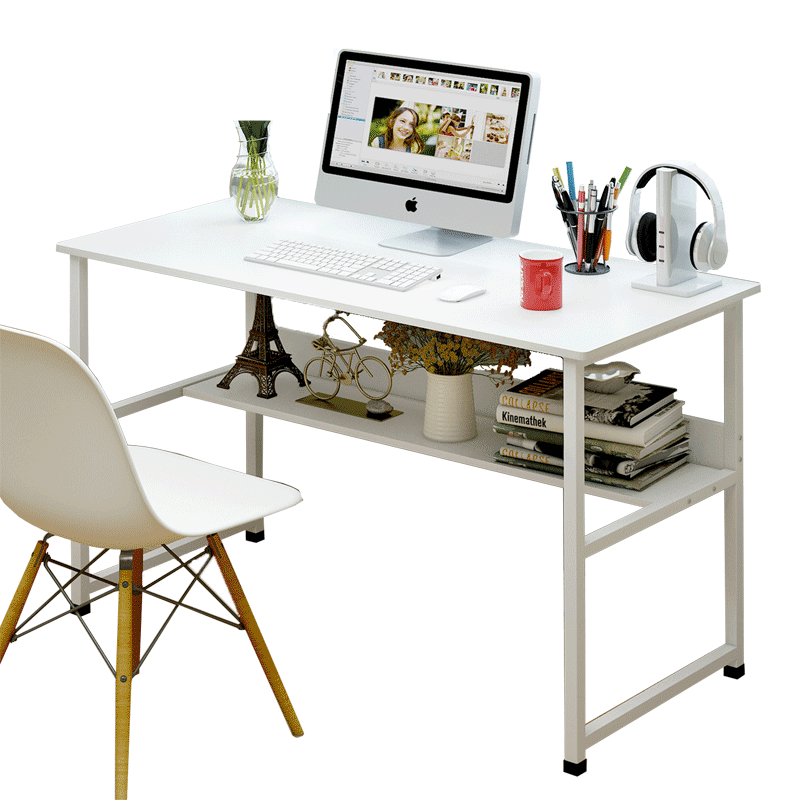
(571, 181)
(622, 179)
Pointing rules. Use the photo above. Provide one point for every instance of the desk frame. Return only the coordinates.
(726, 475)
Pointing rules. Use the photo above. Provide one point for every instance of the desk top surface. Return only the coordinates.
(601, 315)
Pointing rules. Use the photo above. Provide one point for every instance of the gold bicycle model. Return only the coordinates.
(325, 374)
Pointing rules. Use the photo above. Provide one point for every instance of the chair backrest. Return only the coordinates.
(64, 463)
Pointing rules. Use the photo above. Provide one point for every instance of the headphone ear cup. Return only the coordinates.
(701, 245)
(646, 236)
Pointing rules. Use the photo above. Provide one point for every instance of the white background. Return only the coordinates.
(412, 606)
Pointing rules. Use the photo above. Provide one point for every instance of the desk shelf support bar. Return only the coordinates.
(164, 394)
(643, 518)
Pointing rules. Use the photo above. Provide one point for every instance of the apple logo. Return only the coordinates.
(411, 205)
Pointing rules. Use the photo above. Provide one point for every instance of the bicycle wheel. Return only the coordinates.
(377, 380)
(322, 377)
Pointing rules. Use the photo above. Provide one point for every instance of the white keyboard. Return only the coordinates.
(387, 273)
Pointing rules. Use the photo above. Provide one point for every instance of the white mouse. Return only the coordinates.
(455, 294)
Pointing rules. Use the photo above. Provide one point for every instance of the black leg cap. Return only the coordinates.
(254, 536)
(85, 610)
(575, 769)
(733, 672)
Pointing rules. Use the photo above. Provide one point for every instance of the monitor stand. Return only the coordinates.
(436, 241)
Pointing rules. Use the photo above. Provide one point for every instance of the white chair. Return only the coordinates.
(66, 468)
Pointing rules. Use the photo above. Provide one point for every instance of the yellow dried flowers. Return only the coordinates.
(449, 354)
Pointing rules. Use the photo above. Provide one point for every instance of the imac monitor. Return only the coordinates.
(444, 145)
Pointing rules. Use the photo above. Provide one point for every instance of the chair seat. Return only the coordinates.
(195, 498)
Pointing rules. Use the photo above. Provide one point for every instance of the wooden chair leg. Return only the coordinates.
(257, 640)
(138, 569)
(20, 596)
(123, 676)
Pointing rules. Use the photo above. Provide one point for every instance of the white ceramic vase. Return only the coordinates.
(450, 408)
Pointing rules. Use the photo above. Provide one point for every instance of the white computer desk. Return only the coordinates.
(601, 316)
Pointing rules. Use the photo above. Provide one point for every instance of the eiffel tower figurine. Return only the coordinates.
(258, 358)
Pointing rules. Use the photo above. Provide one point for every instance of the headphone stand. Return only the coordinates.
(676, 221)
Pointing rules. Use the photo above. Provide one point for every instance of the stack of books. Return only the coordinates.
(633, 437)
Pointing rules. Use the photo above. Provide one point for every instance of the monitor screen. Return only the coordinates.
(428, 128)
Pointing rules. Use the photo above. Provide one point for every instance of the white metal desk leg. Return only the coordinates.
(254, 427)
(574, 573)
(79, 344)
(734, 506)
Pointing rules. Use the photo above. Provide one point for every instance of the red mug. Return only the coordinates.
(540, 279)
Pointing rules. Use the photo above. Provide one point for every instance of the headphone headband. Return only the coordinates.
(648, 174)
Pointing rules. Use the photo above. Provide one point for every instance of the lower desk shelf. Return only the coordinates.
(690, 482)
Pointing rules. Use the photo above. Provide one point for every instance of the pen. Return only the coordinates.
(566, 203)
(561, 201)
(560, 186)
(581, 225)
(567, 200)
(599, 249)
(597, 244)
(569, 206)
(571, 233)
(569, 219)
(590, 236)
(603, 203)
(607, 235)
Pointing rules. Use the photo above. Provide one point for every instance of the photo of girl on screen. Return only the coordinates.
(398, 130)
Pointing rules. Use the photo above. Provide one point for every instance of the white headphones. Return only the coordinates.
(708, 248)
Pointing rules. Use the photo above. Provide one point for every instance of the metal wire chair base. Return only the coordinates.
(78, 610)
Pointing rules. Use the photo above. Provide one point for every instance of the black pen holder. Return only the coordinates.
(595, 229)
